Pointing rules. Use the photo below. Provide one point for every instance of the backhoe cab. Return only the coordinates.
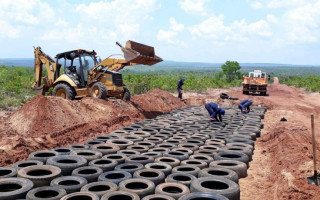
(82, 75)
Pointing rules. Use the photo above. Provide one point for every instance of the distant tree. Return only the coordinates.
(231, 70)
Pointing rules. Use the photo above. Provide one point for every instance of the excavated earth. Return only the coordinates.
(282, 158)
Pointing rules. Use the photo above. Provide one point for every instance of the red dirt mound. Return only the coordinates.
(48, 122)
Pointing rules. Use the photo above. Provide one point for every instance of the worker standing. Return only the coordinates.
(215, 111)
(179, 87)
(244, 105)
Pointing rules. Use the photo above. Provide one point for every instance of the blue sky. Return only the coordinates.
(254, 31)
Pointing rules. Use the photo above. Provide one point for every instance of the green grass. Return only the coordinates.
(15, 86)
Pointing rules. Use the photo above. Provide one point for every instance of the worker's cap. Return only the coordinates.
(222, 111)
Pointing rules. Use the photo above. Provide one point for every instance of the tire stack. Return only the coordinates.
(178, 155)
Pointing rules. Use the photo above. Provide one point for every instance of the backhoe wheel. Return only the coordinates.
(99, 90)
(64, 91)
(126, 94)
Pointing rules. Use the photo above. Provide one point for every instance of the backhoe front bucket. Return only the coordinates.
(139, 53)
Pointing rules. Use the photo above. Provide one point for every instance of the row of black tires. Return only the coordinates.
(178, 155)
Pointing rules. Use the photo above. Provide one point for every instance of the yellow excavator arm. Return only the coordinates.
(51, 67)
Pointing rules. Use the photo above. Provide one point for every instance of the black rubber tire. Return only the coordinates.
(156, 176)
(126, 94)
(202, 157)
(232, 155)
(145, 143)
(150, 130)
(122, 143)
(143, 159)
(174, 190)
(104, 163)
(115, 176)
(102, 89)
(120, 158)
(81, 195)
(165, 168)
(87, 154)
(183, 150)
(63, 150)
(221, 186)
(190, 146)
(173, 162)
(14, 188)
(244, 150)
(182, 178)
(46, 193)
(105, 148)
(203, 195)
(153, 154)
(88, 172)
(154, 140)
(157, 197)
(26, 163)
(140, 133)
(6, 172)
(239, 144)
(141, 187)
(241, 140)
(253, 136)
(102, 138)
(138, 148)
(219, 172)
(93, 142)
(198, 163)
(69, 91)
(187, 169)
(40, 175)
(239, 167)
(128, 152)
(100, 188)
(79, 147)
(205, 152)
(70, 183)
(67, 163)
(129, 167)
(177, 154)
(166, 145)
(160, 150)
(42, 155)
(119, 195)
(133, 138)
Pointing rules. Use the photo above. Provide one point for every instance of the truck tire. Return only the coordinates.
(46, 193)
(115, 176)
(239, 167)
(15, 188)
(129, 167)
(219, 172)
(126, 94)
(156, 176)
(64, 91)
(67, 163)
(100, 188)
(21, 164)
(139, 186)
(175, 190)
(6, 172)
(88, 172)
(99, 90)
(232, 155)
(165, 168)
(42, 155)
(104, 163)
(182, 178)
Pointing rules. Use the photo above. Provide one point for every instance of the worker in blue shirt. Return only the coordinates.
(179, 87)
(215, 111)
(244, 105)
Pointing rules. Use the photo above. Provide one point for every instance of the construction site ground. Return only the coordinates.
(282, 158)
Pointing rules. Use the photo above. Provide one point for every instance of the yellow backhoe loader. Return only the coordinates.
(84, 74)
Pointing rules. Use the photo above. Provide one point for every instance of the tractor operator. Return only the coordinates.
(179, 87)
(215, 111)
(244, 105)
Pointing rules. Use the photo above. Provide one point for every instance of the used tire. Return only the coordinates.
(153, 154)
(129, 152)
(239, 167)
(46, 193)
(115, 176)
(129, 167)
(232, 155)
(6, 172)
(219, 172)
(104, 163)
(88, 172)
(182, 178)
(141, 187)
(143, 159)
(120, 158)
(40, 175)
(89, 155)
(122, 143)
(106, 148)
(67, 163)
(125, 195)
(63, 150)
(42, 155)
(173, 162)
(64, 91)
(99, 90)
(198, 163)
(187, 169)
(100, 188)
(203, 195)
(177, 154)
(157, 197)
(70, 183)
(220, 186)
(139, 148)
(174, 190)
(14, 188)
(26, 163)
(165, 168)
(79, 147)
(126, 94)
(81, 195)
(202, 157)
(156, 176)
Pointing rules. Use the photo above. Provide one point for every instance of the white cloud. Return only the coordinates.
(170, 36)
(272, 19)
(197, 7)
(257, 4)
